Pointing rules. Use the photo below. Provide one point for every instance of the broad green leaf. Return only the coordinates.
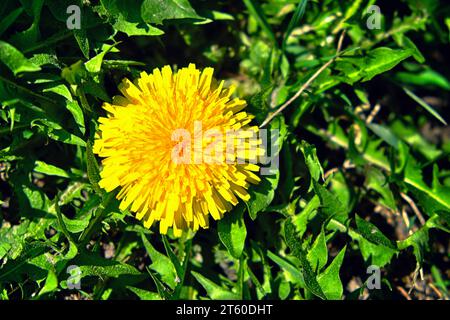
(30, 250)
(76, 225)
(214, 291)
(232, 231)
(262, 195)
(405, 42)
(30, 36)
(82, 40)
(136, 29)
(112, 270)
(286, 266)
(50, 170)
(384, 133)
(377, 61)
(60, 89)
(154, 11)
(94, 65)
(427, 77)
(77, 114)
(309, 212)
(126, 17)
(56, 132)
(144, 294)
(284, 290)
(15, 60)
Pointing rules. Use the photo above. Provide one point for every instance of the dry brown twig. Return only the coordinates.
(373, 113)
(404, 293)
(307, 83)
(413, 207)
(346, 165)
(436, 290)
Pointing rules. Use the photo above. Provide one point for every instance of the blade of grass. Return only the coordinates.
(257, 13)
(298, 14)
(182, 271)
(172, 255)
(425, 105)
(99, 215)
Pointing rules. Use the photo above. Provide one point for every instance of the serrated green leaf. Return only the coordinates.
(95, 266)
(373, 234)
(294, 243)
(136, 29)
(318, 254)
(214, 291)
(94, 65)
(56, 132)
(93, 170)
(51, 283)
(286, 266)
(330, 205)
(375, 254)
(262, 195)
(161, 264)
(434, 199)
(377, 181)
(312, 161)
(329, 280)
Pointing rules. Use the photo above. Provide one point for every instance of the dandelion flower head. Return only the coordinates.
(156, 148)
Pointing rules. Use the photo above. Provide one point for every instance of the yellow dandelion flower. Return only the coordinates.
(166, 144)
